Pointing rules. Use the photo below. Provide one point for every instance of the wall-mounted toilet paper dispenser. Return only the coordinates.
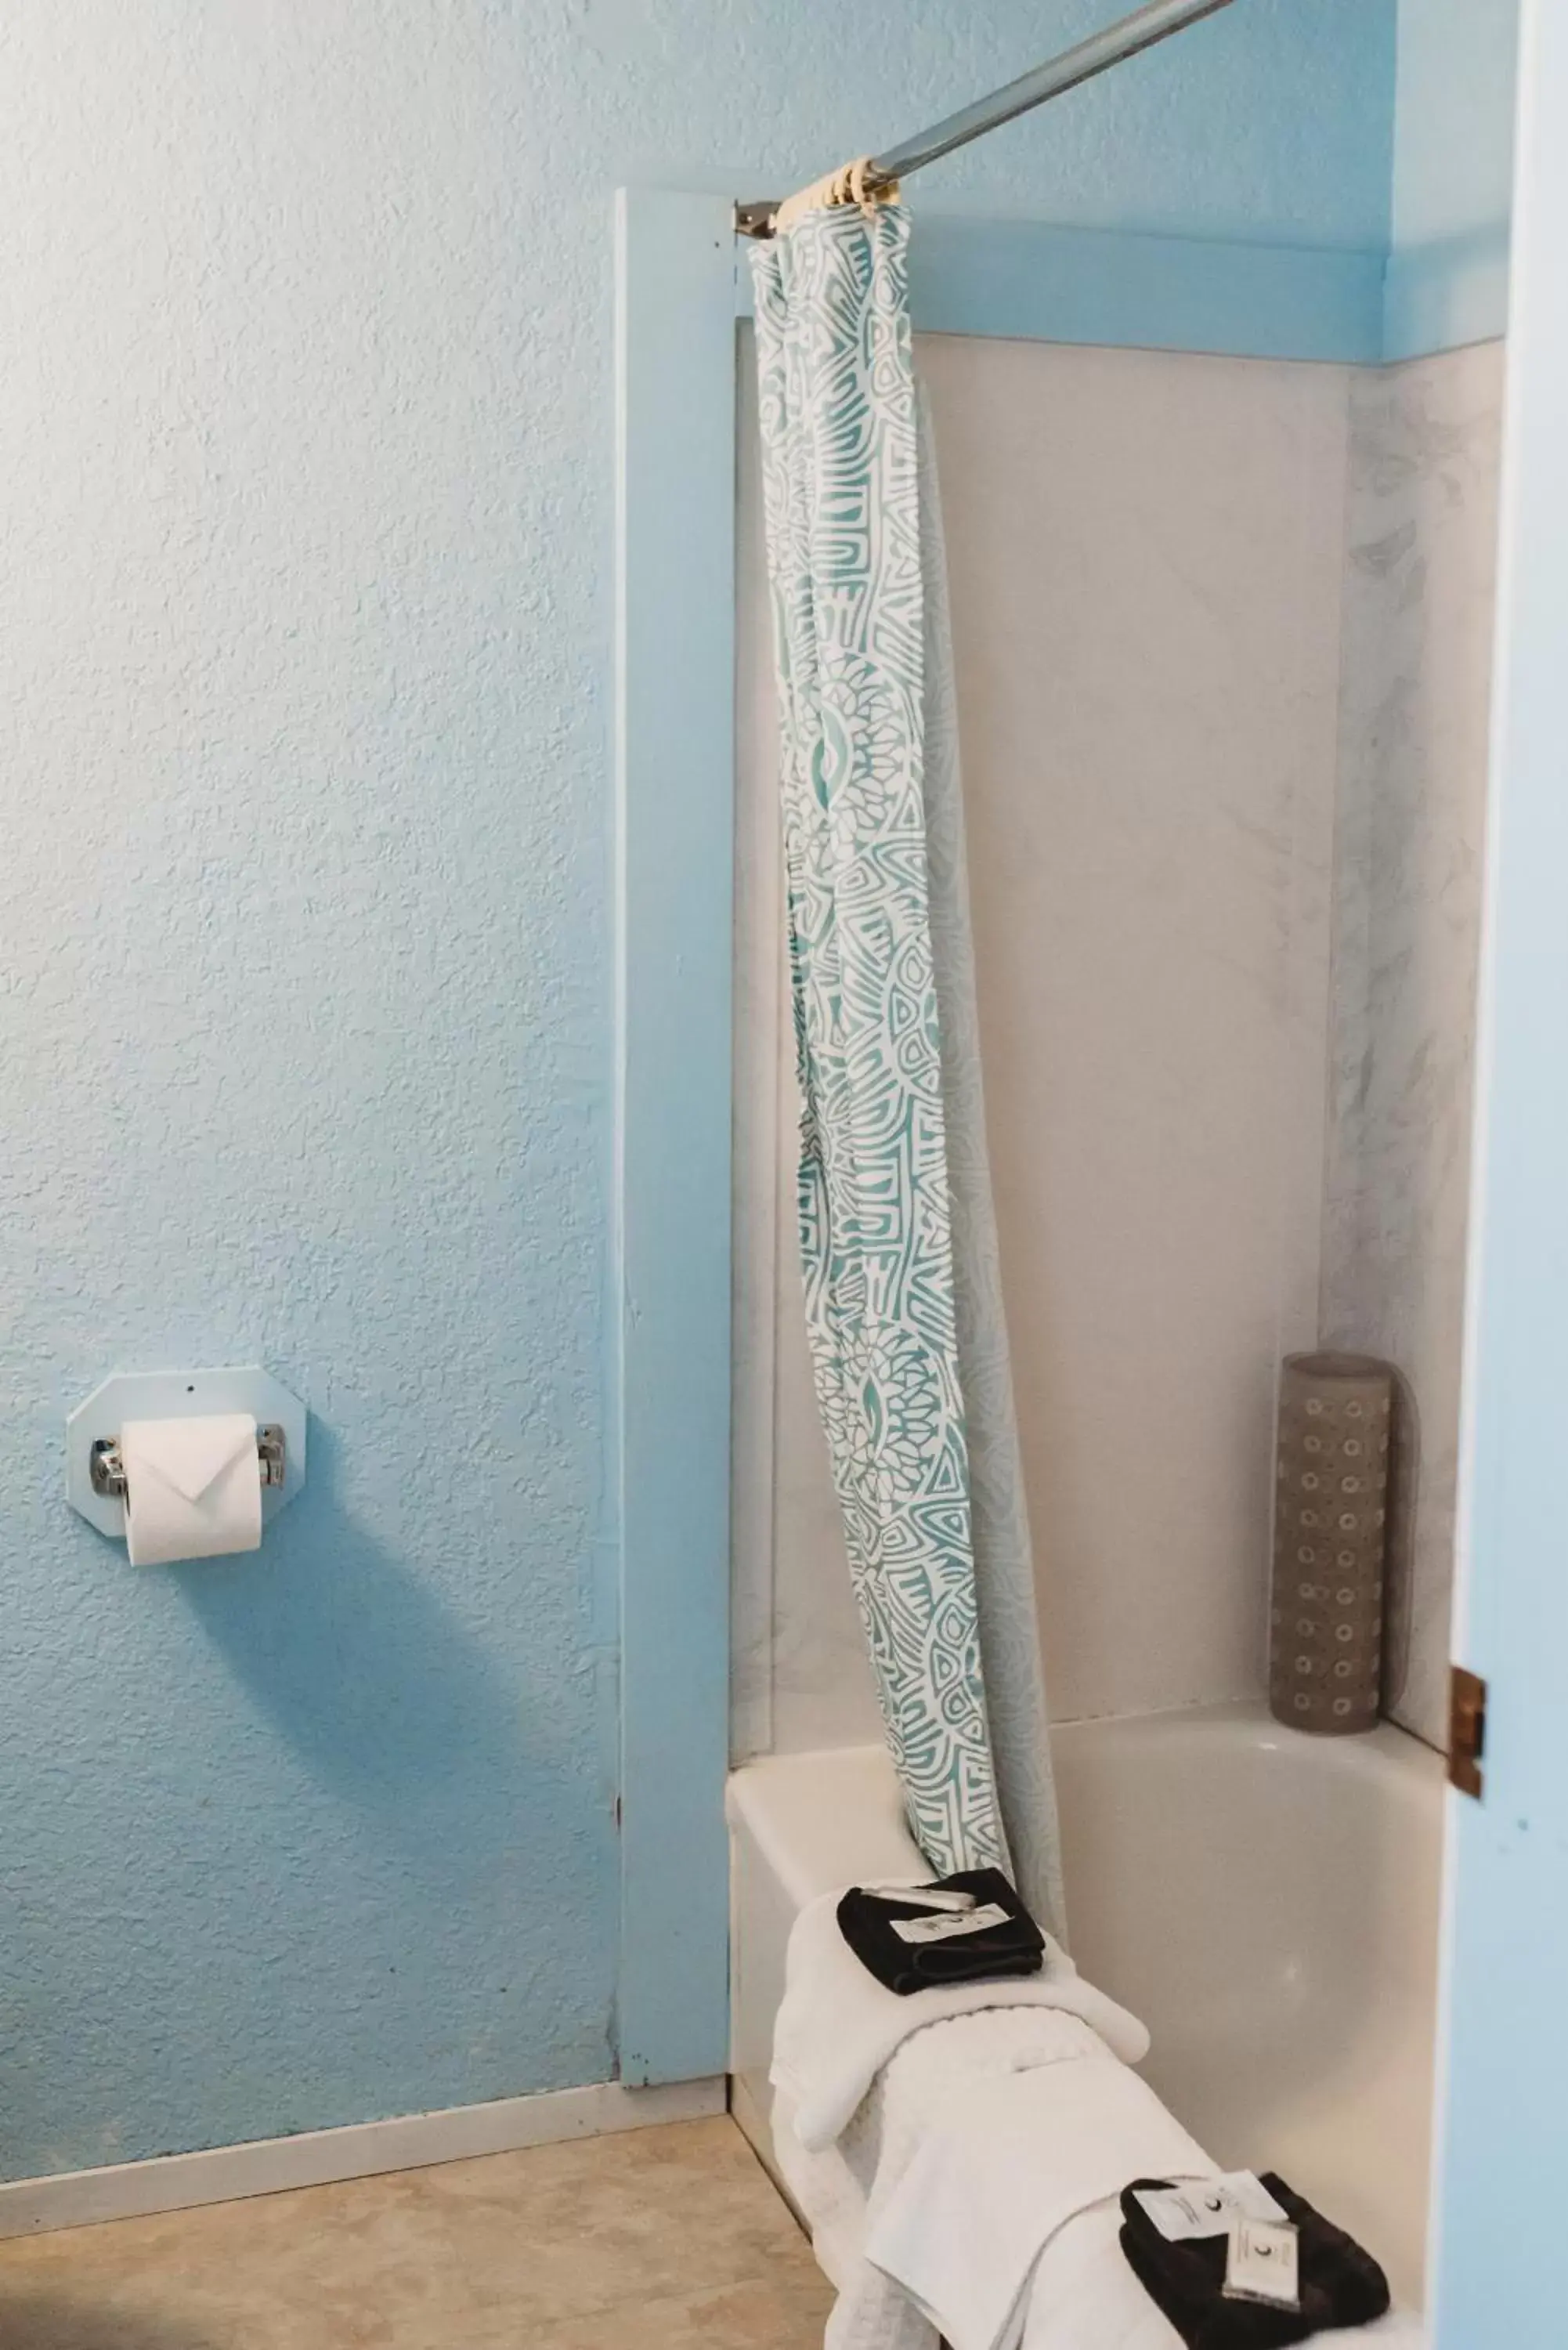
(185, 1464)
(106, 1461)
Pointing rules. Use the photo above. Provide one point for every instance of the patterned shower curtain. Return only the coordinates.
(903, 1290)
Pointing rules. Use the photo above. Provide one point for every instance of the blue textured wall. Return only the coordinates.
(1453, 173)
(1453, 151)
(304, 968)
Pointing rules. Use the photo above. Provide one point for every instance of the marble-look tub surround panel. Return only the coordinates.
(1145, 554)
(1426, 441)
(1257, 657)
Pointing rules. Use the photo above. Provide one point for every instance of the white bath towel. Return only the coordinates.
(930, 2074)
(1005, 2169)
(1082, 2295)
(838, 2026)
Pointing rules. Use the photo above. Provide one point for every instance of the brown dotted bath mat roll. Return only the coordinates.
(1331, 1537)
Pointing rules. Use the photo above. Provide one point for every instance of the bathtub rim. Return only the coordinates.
(1387, 1746)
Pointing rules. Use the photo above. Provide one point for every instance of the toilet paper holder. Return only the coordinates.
(94, 1466)
(106, 1470)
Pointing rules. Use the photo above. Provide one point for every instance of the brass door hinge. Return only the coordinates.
(1466, 1729)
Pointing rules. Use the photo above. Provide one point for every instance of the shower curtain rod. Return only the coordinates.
(1124, 39)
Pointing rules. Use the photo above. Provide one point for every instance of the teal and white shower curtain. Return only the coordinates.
(903, 1289)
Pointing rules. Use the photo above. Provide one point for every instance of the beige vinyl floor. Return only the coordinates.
(662, 2240)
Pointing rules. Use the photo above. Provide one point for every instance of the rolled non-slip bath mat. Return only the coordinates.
(1341, 2284)
(1330, 1541)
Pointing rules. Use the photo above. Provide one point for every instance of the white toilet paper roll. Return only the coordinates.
(193, 1487)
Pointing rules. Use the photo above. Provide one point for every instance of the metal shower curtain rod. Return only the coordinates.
(1145, 26)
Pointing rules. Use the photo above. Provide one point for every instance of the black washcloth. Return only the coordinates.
(1013, 1948)
(1341, 2286)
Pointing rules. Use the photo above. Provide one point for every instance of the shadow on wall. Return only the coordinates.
(390, 1702)
(42, 2322)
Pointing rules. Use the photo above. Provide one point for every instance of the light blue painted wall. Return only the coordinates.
(1030, 280)
(1453, 170)
(304, 969)
(1506, 2057)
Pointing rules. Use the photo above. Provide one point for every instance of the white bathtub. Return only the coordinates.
(1266, 1901)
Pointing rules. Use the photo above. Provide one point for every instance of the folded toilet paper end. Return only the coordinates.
(191, 1487)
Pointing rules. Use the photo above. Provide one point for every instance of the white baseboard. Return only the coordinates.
(222, 2174)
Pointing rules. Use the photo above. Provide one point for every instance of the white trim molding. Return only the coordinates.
(675, 798)
(225, 2174)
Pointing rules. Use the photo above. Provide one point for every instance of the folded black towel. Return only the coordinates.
(1013, 1948)
(1341, 2286)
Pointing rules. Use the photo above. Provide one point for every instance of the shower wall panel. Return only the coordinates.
(1426, 443)
(1145, 555)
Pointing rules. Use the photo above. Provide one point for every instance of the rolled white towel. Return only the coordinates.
(994, 2180)
(838, 2026)
(1080, 2294)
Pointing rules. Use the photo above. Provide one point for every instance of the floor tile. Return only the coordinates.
(662, 2238)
